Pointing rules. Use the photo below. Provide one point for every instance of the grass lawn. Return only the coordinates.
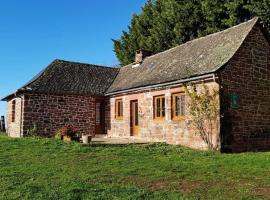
(50, 169)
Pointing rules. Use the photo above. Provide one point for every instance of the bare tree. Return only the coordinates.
(204, 112)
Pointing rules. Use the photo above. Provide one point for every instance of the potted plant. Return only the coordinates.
(67, 133)
(86, 139)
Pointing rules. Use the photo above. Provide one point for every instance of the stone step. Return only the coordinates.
(101, 136)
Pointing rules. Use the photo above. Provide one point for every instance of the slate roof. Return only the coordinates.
(64, 77)
(197, 57)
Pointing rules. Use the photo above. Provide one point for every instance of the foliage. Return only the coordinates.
(51, 169)
(58, 134)
(204, 112)
(163, 24)
(32, 132)
(68, 130)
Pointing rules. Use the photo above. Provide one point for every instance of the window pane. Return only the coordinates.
(163, 107)
(121, 108)
(118, 108)
(158, 107)
(183, 104)
(177, 106)
(13, 110)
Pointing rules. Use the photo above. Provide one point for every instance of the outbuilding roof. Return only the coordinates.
(73, 78)
(194, 58)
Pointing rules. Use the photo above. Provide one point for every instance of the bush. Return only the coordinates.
(68, 131)
(204, 112)
(32, 132)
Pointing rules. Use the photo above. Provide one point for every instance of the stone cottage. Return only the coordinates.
(147, 98)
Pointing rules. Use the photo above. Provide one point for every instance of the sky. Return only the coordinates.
(34, 32)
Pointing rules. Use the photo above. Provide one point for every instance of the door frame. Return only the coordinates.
(100, 128)
(134, 130)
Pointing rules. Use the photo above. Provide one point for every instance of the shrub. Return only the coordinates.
(32, 132)
(204, 112)
(68, 131)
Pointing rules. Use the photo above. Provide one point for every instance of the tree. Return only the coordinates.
(262, 9)
(163, 24)
(160, 26)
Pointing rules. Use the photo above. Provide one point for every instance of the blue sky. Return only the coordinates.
(33, 33)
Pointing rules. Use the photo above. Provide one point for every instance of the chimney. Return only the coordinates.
(141, 55)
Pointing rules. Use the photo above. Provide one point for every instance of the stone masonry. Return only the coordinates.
(52, 112)
(14, 128)
(247, 75)
(167, 130)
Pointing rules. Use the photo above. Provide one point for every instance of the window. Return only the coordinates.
(159, 107)
(13, 111)
(119, 109)
(178, 106)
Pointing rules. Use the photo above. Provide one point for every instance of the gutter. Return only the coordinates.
(178, 82)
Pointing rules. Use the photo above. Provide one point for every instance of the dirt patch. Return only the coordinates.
(136, 180)
(263, 192)
(188, 186)
(160, 184)
(185, 186)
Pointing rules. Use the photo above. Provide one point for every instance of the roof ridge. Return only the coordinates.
(255, 19)
(36, 77)
(83, 63)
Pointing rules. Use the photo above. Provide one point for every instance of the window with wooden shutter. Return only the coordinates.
(13, 111)
(159, 107)
(119, 109)
(178, 106)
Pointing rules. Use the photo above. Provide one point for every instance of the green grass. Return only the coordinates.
(50, 169)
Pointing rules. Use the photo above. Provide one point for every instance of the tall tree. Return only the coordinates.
(262, 9)
(164, 24)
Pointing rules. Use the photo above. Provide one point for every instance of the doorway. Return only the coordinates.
(100, 117)
(134, 118)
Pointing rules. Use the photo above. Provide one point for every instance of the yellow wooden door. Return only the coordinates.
(134, 118)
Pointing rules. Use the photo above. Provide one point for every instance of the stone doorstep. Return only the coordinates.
(123, 140)
(101, 136)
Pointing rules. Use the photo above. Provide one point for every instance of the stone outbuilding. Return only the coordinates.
(64, 93)
(148, 99)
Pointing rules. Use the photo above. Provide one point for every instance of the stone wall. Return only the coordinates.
(247, 76)
(14, 128)
(52, 112)
(173, 132)
(107, 115)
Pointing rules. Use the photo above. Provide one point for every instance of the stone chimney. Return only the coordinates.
(141, 55)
